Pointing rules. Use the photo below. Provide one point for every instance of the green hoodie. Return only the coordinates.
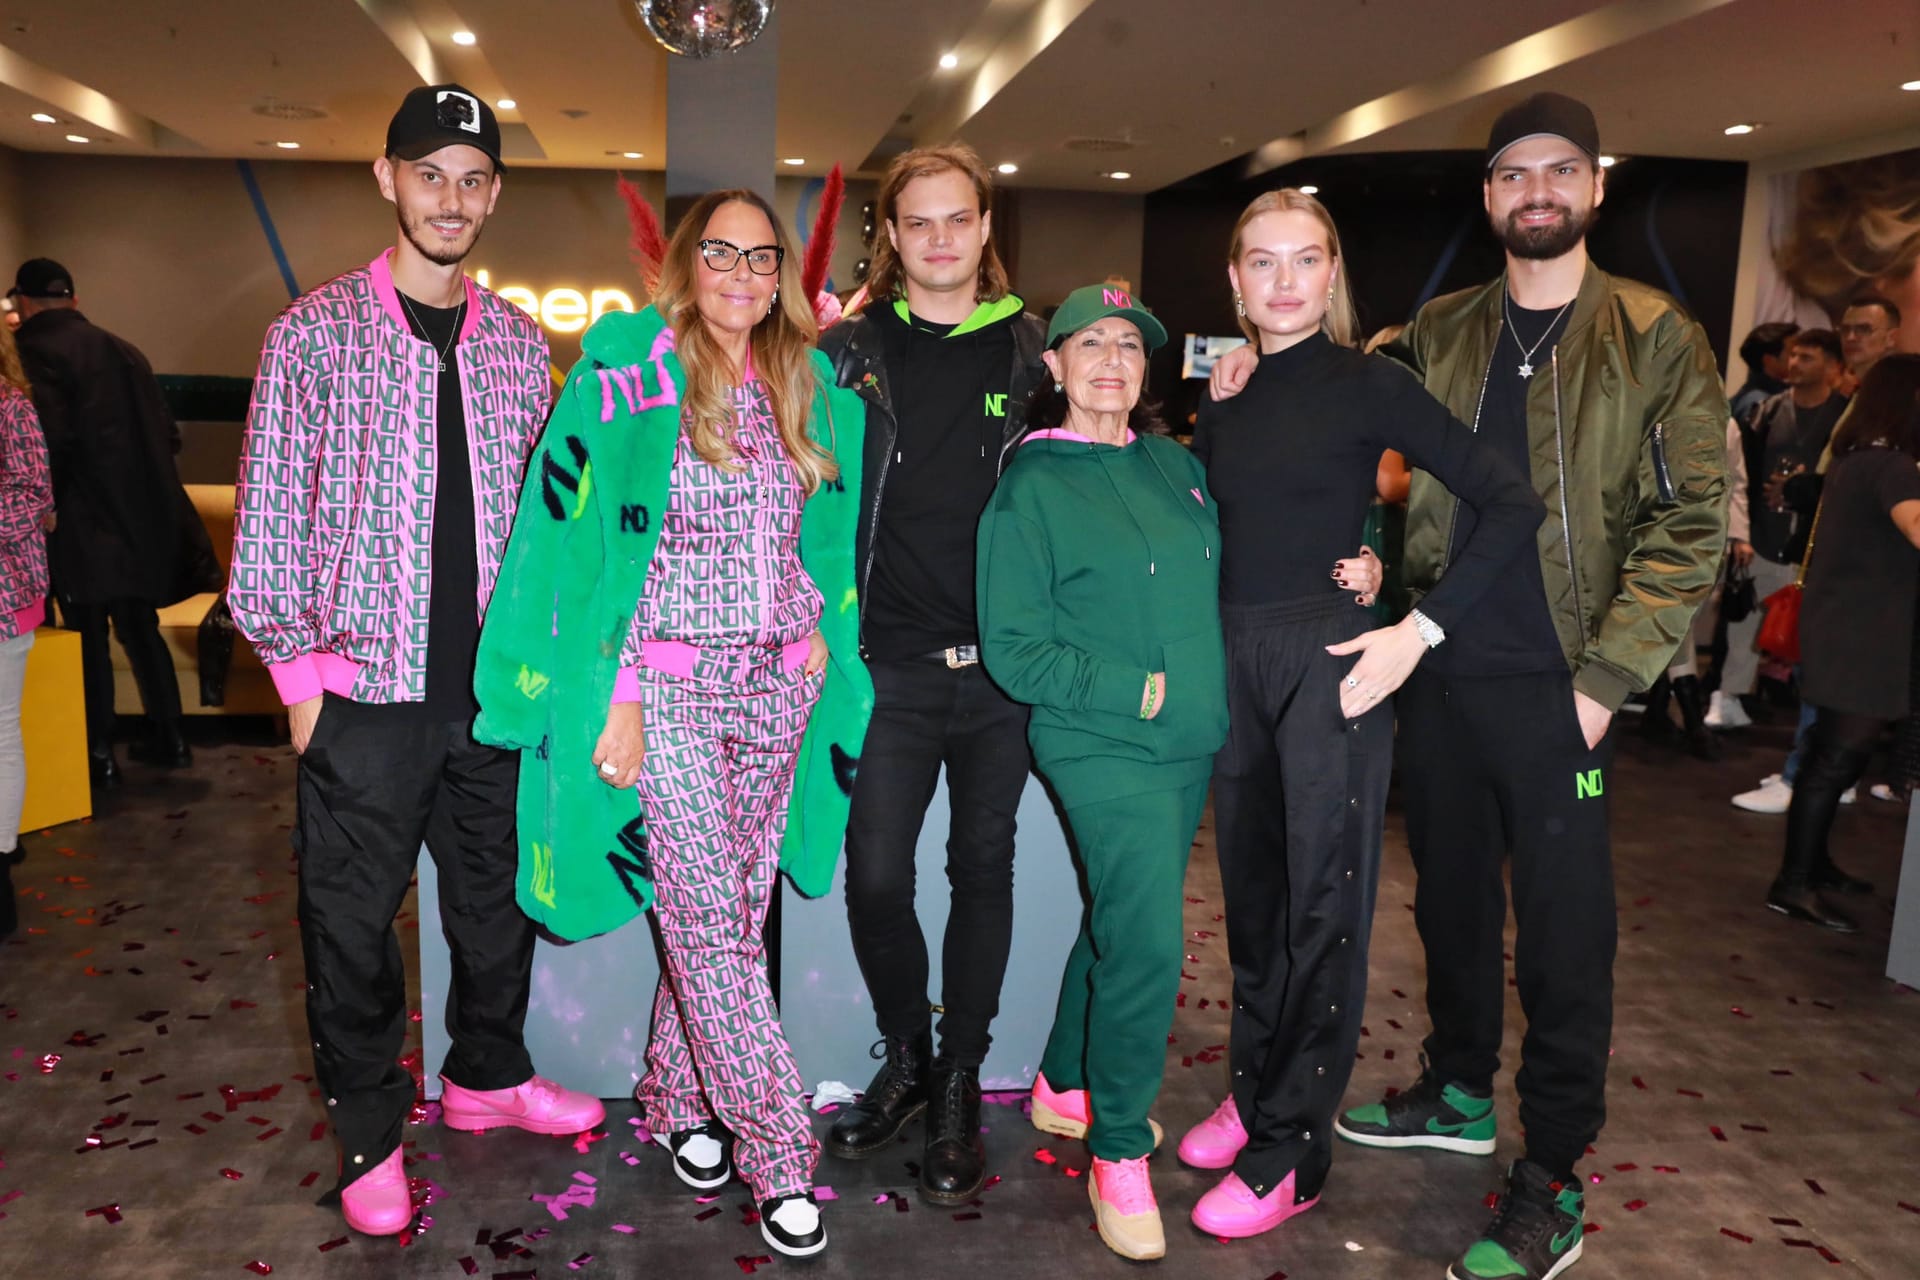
(1099, 565)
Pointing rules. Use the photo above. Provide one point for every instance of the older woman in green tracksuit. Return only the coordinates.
(1099, 606)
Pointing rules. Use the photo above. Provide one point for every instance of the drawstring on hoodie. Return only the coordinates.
(1106, 470)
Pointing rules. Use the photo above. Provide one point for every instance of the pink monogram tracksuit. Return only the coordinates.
(27, 498)
(715, 658)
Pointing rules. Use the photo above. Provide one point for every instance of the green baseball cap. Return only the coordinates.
(1098, 301)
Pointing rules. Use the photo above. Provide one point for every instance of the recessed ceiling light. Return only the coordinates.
(41, 117)
(464, 38)
(1008, 168)
(1607, 162)
(287, 146)
(78, 137)
(1308, 190)
(506, 104)
(631, 155)
(1911, 86)
(1735, 130)
(1118, 175)
(794, 160)
(948, 61)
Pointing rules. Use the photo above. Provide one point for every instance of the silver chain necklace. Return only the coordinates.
(1526, 352)
(454, 336)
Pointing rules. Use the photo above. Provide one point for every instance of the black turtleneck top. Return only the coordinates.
(1291, 462)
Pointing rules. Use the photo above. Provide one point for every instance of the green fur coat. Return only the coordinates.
(589, 519)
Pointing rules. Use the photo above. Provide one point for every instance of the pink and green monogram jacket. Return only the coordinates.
(333, 522)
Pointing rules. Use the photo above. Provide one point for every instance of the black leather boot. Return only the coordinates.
(954, 1167)
(164, 748)
(1655, 724)
(1828, 770)
(1800, 901)
(898, 1094)
(1693, 718)
(1830, 878)
(103, 768)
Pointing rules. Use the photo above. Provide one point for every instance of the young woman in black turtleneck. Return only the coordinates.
(1300, 788)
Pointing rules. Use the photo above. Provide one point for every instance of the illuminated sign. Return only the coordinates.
(563, 310)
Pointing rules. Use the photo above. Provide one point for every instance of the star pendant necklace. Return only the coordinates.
(454, 336)
(1526, 352)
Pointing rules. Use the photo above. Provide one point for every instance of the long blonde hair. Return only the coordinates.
(780, 344)
(1340, 322)
(10, 371)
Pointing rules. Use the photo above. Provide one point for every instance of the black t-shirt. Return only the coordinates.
(1511, 631)
(1292, 461)
(1857, 616)
(1790, 436)
(949, 394)
(453, 616)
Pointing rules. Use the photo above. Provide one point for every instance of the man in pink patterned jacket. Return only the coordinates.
(392, 417)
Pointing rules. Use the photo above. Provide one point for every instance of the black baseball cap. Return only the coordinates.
(443, 115)
(1553, 115)
(41, 278)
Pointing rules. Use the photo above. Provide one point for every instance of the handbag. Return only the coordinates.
(1780, 629)
(1737, 601)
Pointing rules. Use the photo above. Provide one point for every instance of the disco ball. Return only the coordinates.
(703, 28)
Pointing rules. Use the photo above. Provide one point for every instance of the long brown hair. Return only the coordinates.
(1886, 409)
(886, 278)
(780, 344)
(1340, 322)
(10, 371)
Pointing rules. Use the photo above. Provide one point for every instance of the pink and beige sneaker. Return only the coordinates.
(1232, 1209)
(1124, 1208)
(538, 1106)
(1215, 1142)
(1068, 1112)
(377, 1202)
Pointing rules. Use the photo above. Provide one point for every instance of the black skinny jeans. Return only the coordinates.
(927, 716)
(1838, 748)
(137, 626)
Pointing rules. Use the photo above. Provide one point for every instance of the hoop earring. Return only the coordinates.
(1239, 305)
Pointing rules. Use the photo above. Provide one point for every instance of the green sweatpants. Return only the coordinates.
(1116, 998)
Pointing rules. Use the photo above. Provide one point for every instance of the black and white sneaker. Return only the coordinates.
(791, 1224)
(702, 1157)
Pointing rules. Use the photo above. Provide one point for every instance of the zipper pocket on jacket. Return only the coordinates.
(1662, 477)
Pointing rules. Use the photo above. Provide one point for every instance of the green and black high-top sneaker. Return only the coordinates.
(1536, 1230)
(1430, 1114)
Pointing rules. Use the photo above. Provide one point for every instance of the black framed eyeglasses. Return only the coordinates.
(721, 255)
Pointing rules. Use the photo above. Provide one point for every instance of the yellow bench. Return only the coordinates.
(54, 723)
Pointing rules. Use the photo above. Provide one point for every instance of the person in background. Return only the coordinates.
(116, 551)
(392, 417)
(1300, 788)
(1101, 518)
(1869, 329)
(1764, 352)
(26, 497)
(1793, 428)
(1856, 624)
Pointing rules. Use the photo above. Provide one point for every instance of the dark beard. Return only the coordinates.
(1541, 244)
(429, 244)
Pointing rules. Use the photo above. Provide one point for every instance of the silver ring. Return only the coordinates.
(1353, 682)
(607, 770)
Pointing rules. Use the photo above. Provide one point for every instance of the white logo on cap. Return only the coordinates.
(468, 121)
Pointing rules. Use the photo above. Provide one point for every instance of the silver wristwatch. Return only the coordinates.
(1429, 629)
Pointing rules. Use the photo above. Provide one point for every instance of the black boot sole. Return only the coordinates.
(1795, 913)
(948, 1199)
(847, 1152)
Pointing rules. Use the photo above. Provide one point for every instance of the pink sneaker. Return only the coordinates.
(1234, 1211)
(538, 1106)
(377, 1202)
(1216, 1141)
(1068, 1112)
(1124, 1208)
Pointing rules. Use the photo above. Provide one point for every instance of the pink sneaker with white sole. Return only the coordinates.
(1215, 1142)
(377, 1202)
(1068, 1112)
(1233, 1210)
(538, 1106)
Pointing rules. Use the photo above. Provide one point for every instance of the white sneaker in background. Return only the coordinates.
(1725, 712)
(1773, 795)
(1849, 795)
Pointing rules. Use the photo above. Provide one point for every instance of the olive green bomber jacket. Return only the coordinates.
(1627, 437)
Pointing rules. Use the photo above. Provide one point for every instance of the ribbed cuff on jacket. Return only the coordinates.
(297, 680)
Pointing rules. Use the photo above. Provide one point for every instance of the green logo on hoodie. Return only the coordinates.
(996, 405)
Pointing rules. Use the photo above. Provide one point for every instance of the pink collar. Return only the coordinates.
(382, 269)
(1061, 433)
